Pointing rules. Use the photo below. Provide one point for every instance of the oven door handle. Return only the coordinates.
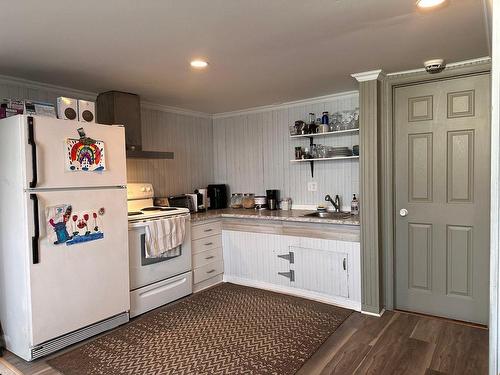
(144, 222)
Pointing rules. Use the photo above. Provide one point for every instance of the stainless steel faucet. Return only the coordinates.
(336, 202)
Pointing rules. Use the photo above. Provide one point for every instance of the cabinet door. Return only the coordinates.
(321, 270)
(254, 256)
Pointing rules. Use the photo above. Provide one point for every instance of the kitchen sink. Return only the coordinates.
(329, 215)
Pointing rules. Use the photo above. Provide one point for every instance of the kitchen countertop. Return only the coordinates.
(278, 215)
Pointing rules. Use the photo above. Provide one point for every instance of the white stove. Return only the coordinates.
(140, 204)
(154, 281)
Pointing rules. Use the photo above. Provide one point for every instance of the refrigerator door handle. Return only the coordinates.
(32, 143)
(36, 235)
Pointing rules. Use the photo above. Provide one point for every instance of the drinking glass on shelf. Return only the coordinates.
(334, 122)
(320, 151)
(314, 151)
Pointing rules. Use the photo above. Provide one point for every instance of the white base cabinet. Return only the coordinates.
(206, 247)
(323, 270)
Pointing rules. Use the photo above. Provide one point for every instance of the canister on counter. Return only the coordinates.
(286, 204)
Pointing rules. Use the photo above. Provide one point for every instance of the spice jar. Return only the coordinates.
(298, 153)
(248, 200)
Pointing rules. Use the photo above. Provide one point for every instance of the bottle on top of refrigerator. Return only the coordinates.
(354, 205)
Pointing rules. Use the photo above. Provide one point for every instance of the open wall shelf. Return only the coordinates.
(314, 135)
(311, 141)
(324, 159)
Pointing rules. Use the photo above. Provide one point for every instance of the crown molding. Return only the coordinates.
(176, 110)
(87, 95)
(295, 103)
(451, 66)
(370, 75)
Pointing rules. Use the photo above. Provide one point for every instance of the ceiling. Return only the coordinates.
(260, 52)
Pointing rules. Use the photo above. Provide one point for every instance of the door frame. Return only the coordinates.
(386, 163)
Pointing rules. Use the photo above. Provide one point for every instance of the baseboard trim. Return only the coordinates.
(373, 314)
(337, 301)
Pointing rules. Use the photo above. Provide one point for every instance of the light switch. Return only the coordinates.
(312, 186)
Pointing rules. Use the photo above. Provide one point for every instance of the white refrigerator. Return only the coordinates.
(63, 232)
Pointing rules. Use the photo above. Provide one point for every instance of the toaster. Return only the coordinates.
(183, 200)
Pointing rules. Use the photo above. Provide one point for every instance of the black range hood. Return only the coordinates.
(116, 107)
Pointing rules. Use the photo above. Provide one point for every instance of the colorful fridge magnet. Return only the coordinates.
(57, 219)
(85, 154)
(86, 226)
(74, 227)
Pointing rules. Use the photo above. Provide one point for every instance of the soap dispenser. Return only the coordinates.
(354, 205)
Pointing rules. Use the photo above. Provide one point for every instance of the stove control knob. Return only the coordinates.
(143, 189)
(148, 189)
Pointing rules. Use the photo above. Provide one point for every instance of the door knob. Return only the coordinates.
(403, 212)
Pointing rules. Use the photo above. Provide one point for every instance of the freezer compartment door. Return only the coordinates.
(80, 275)
(57, 156)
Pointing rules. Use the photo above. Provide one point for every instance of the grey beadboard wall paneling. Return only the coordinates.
(370, 255)
(188, 136)
(23, 89)
(252, 153)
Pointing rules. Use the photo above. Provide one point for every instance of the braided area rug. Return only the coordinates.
(228, 329)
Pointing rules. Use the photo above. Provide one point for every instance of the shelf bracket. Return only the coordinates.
(311, 141)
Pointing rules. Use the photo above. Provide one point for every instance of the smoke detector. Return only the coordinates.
(434, 66)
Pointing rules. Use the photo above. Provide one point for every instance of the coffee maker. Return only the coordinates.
(273, 198)
(217, 196)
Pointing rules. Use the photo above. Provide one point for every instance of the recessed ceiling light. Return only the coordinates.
(199, 64)
(425, 4)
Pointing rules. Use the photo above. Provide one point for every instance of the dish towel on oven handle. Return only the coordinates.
(164, 237)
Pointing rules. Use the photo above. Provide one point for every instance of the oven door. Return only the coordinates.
(145, 271)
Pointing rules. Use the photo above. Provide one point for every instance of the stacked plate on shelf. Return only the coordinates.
(333, 152)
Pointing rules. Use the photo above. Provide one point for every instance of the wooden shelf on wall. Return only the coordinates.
(325, 159)
(338, 132)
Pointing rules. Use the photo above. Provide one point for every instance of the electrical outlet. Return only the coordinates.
(312, 186)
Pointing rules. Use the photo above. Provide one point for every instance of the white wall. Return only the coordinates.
(189, 136)
(494, 325)
(252, 152)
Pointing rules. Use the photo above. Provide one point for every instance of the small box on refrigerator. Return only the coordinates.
(67, 108)
(86, 111)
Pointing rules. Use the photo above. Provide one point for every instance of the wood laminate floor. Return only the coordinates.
(396, 343)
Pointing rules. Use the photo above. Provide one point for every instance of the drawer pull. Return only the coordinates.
(211, 271)
(208, 230)
(210, 257)
(209, 243)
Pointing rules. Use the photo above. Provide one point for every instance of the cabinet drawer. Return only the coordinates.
(207, 271)
(205, 230)
(206, 257)
(207, 243)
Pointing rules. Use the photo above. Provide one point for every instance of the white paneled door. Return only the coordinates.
(442, 175)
